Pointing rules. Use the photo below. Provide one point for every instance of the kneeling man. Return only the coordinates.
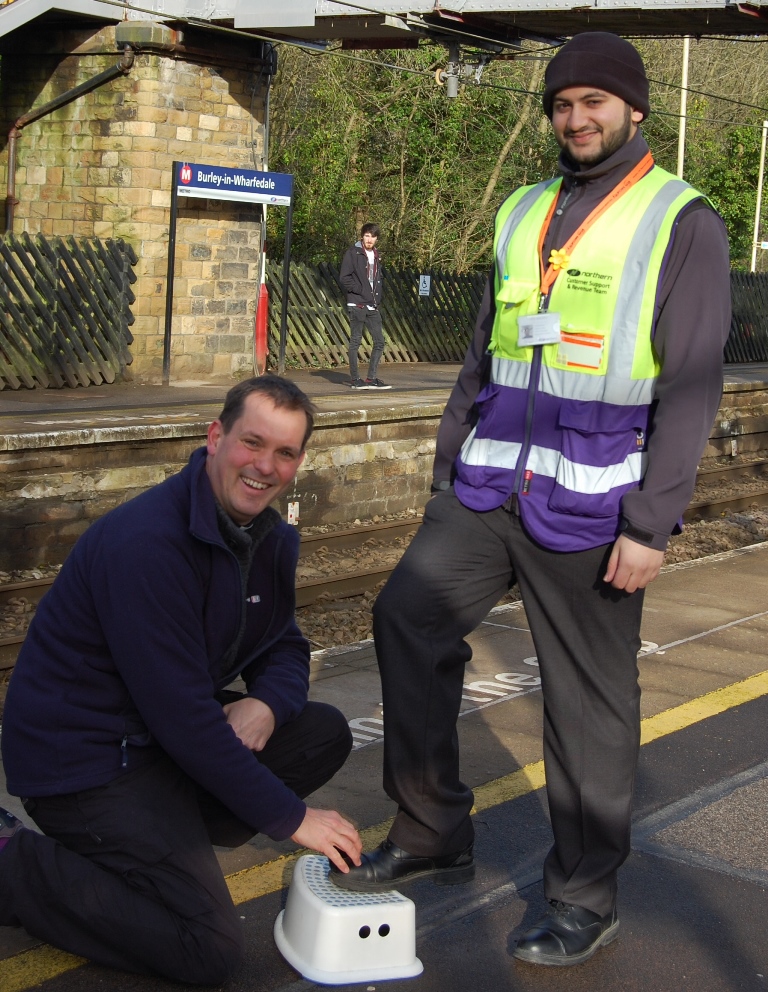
(119, 733)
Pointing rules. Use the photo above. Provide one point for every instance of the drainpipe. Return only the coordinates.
(121, 68)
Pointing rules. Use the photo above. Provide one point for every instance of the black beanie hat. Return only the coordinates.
(601, 59)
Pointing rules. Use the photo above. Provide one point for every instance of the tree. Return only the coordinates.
(366, 142)
(371, 136)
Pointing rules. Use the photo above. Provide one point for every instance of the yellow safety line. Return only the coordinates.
(30, 968)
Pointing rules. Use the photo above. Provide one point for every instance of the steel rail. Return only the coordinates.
(724, 472)
(711, 508)
(308, 591)
(355, 583)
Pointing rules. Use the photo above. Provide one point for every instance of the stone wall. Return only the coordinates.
(52, 486)
(359, 464)
(101, 167)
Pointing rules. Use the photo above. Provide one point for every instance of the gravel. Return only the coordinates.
(331, 623)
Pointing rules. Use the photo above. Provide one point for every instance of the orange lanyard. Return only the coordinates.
(548, 277)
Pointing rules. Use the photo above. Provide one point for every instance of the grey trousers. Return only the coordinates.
(586, 636)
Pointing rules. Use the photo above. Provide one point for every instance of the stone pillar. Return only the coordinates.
(101, 167)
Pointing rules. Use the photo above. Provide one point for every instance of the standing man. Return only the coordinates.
(132, 756)
(362, 280)
(565, 458)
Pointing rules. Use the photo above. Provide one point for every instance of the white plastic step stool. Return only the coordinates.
(336, 937)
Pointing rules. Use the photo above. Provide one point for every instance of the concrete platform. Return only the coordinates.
(694, 894)
(70, 416)
(73, 413)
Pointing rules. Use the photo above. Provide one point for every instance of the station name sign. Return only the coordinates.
(218, 183)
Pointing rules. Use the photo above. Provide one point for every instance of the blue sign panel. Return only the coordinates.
(217, 183)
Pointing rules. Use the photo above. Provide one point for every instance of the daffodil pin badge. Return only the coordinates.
(559, 259)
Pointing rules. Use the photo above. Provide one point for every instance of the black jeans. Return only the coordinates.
(361, 318)
(125, 874)
(586, 635)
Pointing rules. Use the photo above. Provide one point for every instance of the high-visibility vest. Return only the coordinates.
(564, 425)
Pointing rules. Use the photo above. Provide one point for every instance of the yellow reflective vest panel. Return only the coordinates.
(563, 425)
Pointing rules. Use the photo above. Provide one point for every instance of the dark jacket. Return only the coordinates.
(353, 276)
(692, 321)
(124, 656)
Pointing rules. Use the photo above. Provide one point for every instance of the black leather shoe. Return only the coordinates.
(566, 935)
(389, 867)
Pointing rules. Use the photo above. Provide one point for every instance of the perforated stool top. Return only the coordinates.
(337, 937)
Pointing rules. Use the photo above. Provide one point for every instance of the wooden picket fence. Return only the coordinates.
(64, 311)
(748, 340)
(438, 328)
(434, 328)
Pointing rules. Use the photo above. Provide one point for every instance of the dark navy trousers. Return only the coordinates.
(124, 874)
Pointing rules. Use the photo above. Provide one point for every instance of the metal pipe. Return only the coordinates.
(452, 71)
(10, 195)
(121, 68)
(683, 107)
(759, 198)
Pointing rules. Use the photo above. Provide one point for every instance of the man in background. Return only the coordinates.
(362, 280)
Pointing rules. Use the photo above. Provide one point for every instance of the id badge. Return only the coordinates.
(538, 328)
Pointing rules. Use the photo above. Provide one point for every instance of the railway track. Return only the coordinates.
(308, 591)
(748, 475)
(354, 582)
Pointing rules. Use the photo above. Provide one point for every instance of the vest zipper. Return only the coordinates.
(523, 476)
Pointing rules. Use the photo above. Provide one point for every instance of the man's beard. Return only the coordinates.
(608, 145)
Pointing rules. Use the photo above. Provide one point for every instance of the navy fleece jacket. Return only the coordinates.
(124, 655)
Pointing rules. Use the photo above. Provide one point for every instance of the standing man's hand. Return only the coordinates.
(252, 720)
(631, 565)
(329, 833)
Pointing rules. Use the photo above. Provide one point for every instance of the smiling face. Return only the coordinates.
(256, 461)
(590, 124)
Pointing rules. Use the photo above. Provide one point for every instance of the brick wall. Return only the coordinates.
(101, 167)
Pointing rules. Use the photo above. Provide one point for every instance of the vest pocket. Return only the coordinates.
(601, 457)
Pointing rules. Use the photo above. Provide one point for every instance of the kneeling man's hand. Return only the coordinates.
(252, 720)
(326, 831)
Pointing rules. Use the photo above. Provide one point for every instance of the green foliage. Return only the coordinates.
(367, 142)
(726, 167)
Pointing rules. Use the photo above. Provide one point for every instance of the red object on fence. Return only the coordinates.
(260, 331)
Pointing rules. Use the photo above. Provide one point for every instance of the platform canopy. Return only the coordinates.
(403, 23)
(393, 23)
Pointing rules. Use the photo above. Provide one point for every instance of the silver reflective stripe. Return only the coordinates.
(595, 388)
(629, 300)
(543, 461)
(593, 479)
(505, 372)
(587, 479)
(484, 451)
(505, 235)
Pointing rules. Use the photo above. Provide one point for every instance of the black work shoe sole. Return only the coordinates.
(564, 960)
(440, 876)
